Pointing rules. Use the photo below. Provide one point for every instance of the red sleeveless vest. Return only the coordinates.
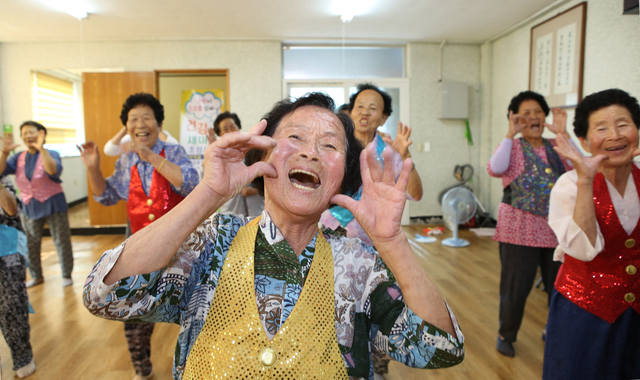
(143, 210)
(609, 284)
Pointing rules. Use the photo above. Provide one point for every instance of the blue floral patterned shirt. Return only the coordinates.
(118, 182)
(370, 312)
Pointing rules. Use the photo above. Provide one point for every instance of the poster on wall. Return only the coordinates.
(199, 109)
(557, 57)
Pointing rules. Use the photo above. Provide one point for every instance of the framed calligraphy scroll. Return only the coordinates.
(557, 57)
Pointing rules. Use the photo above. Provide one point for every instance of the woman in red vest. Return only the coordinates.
(152, 178)
(594, 318)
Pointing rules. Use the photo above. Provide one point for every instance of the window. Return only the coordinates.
(55, 105)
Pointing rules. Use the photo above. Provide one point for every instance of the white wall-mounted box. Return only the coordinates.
(453, 100)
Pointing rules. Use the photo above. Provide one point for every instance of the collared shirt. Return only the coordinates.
(572, 240)
(370, 309)
(36, 209)
(118, 182)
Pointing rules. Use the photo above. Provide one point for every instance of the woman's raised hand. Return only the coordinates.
(516, 124)
(401, 143)
(225, 173)
(7, 143)
(379, 210)
(586, 167)
(90, 154)
(559, 125)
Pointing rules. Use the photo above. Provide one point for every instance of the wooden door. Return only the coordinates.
(104, 94)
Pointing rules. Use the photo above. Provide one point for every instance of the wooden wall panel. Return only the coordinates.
(104, 94)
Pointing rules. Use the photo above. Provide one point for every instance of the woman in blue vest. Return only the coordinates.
(529, 167)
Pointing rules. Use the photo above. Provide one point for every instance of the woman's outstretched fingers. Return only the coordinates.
(259, 128)
(389, 175)
(373, 166)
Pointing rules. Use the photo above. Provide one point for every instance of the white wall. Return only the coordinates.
(612, 59)
(254, 67)
(460, 63)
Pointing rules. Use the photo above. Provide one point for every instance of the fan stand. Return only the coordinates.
(454, 241)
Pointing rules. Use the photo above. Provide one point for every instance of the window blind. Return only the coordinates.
(55, 106)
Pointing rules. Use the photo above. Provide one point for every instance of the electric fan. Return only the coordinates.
(458, 207)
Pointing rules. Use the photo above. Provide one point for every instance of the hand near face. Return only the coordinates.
(559, 125)
(40, 140)
(224, 170)
(586, 167)
(379, 210)
(7, 143)
(211, 136)
(516, 124)
(401, 143)
(142, 150)
(90, 155)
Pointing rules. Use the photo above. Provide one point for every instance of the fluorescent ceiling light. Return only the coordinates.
(75, 8)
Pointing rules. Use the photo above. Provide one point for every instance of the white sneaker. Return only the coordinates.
(34, 282)
(66, 282)
(27, 370)
(143, 377)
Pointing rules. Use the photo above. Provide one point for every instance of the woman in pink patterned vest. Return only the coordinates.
(37, 172)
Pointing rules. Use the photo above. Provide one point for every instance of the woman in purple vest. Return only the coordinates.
(594, 318)
(37, 173)
(529, 167)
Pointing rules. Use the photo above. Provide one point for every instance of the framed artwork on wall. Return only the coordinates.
(557, 57)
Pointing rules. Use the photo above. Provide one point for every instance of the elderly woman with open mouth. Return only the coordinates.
(529, 167)
(594, 318)
(273, 297)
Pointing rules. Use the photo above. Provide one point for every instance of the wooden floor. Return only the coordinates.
(69, 343)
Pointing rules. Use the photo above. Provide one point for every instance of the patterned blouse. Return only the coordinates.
(118, 182)
(514, 225)
(370, 312)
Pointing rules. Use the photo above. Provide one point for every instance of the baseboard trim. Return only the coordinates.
(85, 231)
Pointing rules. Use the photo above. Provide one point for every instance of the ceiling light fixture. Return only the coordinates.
(346, 17)
(347, 9)
(75, 8)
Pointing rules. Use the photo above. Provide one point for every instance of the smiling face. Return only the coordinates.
(142, 125)
(367, 112)
(534, 118)
(613, 133)
(29, 135)
(227, 125)
(310, 161)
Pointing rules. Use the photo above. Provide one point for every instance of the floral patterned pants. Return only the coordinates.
(14, 309)
(61, 234)
(139, 340)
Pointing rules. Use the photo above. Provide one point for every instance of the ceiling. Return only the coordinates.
(303, 21)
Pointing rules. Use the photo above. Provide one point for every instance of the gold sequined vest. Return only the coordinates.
(233, 343)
